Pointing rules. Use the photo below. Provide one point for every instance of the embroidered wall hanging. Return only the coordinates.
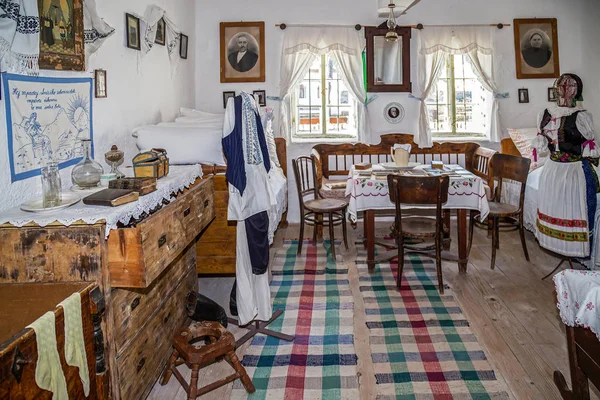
(45, 120)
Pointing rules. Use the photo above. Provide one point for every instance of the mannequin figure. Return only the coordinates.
(569, 180)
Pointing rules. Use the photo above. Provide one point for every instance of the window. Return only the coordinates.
(322, 106)
(459, 105)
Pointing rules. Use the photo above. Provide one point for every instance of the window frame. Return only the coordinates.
(451, 90)
(324, 108)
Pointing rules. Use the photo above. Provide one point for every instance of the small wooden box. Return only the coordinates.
(141, 185)
(151, 164)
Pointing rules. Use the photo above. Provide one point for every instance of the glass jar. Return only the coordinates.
(87, 173)
(51, 185)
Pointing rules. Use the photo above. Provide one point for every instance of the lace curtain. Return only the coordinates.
(435, 44)
(301, 46)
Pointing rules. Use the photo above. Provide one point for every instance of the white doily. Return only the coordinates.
(578, 295)
(179, 178)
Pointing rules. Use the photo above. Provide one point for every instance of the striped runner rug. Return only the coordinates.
(421, 344)
(314, 293)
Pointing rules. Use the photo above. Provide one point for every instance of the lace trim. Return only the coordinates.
(462, 50)
(16, 62)
(319, 50)
(180, 178)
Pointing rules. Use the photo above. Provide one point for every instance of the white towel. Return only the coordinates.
(95, 30)
(74, 342)
(152, 15)
(19, 36)
(49, 374)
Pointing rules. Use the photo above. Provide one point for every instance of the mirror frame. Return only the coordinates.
(381, 30)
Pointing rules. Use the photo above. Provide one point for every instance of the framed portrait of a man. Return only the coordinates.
(242, 51)
(61, 35)
(536, 48)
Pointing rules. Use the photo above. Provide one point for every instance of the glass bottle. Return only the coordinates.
(87, 173)
(51, 185)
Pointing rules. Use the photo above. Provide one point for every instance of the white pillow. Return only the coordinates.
(523, 138)
(190, 112)
(184, 144)
(199, 121)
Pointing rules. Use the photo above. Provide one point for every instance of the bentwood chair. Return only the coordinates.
(505, 167)
(420, 191)
(316, 211)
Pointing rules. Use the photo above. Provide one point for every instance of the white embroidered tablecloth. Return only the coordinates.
(465, 191)
(179, 178)
(578, 295)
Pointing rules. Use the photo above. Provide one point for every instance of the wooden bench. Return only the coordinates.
(334, 160)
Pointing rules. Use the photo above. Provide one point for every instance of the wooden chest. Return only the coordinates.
(20, 305)
(144, 271)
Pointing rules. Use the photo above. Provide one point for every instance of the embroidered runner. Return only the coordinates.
(421, 343)
(319, 310)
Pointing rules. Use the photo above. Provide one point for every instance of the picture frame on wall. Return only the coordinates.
(61, 35)
(161, 32)
(100, 83)
(261, 95)
(523, 95)
(132, 27)
(551, 94)
(536, 48)
(242, 51)
(226, 96)
(183, 46)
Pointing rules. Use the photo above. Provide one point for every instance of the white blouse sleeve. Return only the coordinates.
(229, 121)
(540, 142)
(585, 125)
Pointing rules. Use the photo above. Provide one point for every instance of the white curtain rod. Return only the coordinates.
(421, 26)
(358, 27)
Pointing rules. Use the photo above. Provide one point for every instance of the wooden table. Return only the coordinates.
(367, 194)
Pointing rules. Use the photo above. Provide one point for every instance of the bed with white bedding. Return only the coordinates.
(511, 194)
(195, 138)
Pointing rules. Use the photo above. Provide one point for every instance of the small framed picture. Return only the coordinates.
(261, 96)
(523, 95)
(183, 46)
(393, 113)
(160, 32)
(226, 96)
(132, 24)
(551, 94)
(100, 83)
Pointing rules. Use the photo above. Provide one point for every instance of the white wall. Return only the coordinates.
(513, 114)
(135, 96)
(590, 71)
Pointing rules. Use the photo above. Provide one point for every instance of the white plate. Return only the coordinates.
(37, 205)
(392, 165)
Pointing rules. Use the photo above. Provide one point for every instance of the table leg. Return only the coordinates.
(369, 221)
(463, 257)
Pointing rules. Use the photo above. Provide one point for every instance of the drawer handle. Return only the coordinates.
(206, 202)
(186, 212)
(167, 318)
(135, 303)
(162, 240)
(140, 364)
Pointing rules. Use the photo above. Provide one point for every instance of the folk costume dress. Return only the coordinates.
(569, 182)
(250, 199)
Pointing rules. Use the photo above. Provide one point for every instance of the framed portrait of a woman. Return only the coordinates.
(536, 48)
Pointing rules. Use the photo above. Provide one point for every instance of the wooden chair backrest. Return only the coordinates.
(421, 190)
(336, 159)
(505, 166)
(304, 172)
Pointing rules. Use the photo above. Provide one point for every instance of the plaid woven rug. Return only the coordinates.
(421, 343)
(318, 307)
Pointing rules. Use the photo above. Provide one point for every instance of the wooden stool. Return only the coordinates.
(222, 345)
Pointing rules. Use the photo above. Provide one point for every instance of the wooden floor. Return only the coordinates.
(511, 310)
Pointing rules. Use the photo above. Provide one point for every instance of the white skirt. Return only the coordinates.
(562, 220)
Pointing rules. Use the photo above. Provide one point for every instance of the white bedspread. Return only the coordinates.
(511, 194)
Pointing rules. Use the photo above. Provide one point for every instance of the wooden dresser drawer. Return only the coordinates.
(140, 365)
(132, 308)
(137, 256)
